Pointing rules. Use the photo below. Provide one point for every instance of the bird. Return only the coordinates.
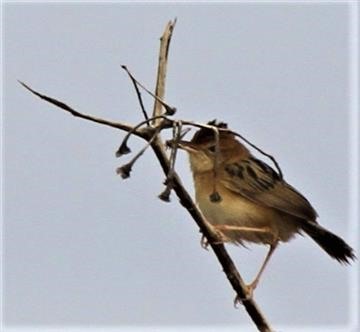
(244, 200)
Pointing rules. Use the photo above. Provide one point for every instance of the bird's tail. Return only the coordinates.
(335, 246)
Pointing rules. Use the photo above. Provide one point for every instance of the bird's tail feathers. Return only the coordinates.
(335, 246)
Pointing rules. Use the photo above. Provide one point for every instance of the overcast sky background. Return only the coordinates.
(83, 247)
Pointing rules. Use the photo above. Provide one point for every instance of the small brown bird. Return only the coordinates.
(252, 202)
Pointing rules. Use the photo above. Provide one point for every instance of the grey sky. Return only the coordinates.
(83, 247)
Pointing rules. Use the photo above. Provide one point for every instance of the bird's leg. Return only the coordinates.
(255, 282)
(242, 228)
(251, 287)
(218, 232)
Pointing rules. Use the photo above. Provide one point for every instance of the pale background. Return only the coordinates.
(83, 247)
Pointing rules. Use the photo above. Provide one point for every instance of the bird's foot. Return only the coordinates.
(217, 238)
(204, 242)
(249, 292)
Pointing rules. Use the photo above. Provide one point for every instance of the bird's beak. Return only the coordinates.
(184, 145)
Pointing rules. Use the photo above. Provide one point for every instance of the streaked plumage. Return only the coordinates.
(256, 205)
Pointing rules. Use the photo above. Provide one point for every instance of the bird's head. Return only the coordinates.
(202, 148)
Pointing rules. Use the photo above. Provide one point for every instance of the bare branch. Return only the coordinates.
(162, 68)
(118, 125)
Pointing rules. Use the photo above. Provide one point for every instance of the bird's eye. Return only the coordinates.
(212, 148)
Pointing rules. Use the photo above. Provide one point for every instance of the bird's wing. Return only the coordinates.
(259, 183)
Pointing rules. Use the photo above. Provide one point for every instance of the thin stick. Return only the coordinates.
(57, 103)
(215, 196)
(261, 151)
(125, 170)
(138, 93)
(176, 134)
(169, 110)
(165, 195)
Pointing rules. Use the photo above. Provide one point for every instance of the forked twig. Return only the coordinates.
(124, 170)
(169, 110)
(123, 148)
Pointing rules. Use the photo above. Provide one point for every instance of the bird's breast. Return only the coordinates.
(232, 207)
(235, 210)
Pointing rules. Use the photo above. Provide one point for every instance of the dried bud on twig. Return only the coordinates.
(123, 149)
(169, 183)
(165, 195)
(170, 110)
(124, 171)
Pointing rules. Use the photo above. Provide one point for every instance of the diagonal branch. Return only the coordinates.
(225, 260)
